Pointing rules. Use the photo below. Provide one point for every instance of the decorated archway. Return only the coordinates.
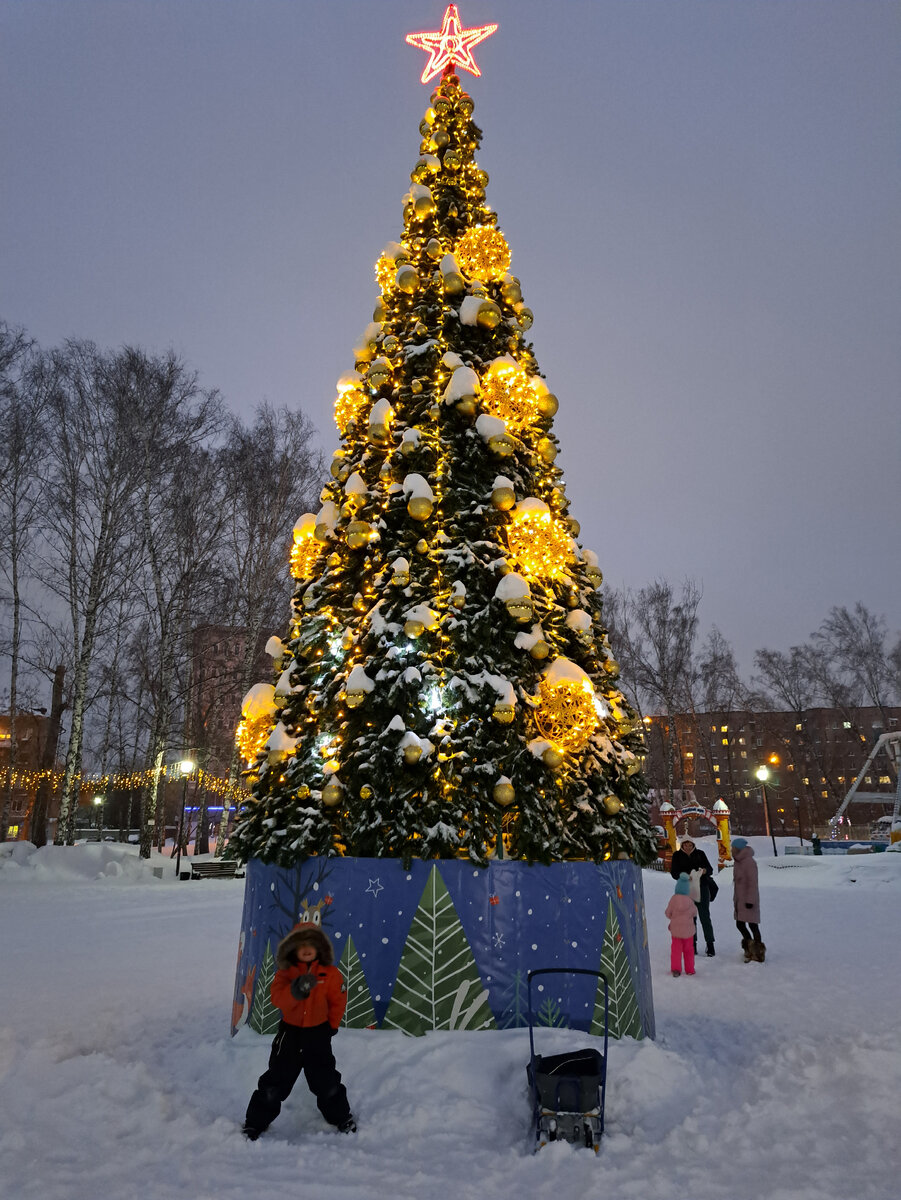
(718, 816)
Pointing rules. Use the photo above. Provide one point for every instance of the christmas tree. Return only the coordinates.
(446, 687)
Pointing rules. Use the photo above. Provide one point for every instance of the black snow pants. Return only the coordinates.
(295, 1050)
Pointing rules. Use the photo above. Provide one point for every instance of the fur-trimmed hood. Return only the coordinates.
(287, 947)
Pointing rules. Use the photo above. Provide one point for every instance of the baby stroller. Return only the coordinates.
(568, 1090)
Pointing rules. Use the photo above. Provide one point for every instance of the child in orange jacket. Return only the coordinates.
(681, 911)
(309, 989)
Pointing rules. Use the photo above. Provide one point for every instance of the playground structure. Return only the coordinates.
(891, 744)
(718, 816)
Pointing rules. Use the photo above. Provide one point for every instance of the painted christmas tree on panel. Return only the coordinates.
(446, 687)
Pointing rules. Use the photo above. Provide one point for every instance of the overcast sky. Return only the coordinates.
(702, 200)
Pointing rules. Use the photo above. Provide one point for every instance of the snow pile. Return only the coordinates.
(120, 1079)
(109, 861)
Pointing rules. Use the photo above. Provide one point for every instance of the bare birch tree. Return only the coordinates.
(273, 472)
(22, 415)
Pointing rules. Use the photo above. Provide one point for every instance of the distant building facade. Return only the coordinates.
(31, 734)
(217, 666)
(813, 756)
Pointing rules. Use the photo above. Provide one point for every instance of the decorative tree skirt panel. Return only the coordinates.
(446, 945)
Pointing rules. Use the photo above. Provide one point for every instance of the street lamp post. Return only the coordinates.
(763, 775)
(798, 816)
(186, 766)
(99, 802)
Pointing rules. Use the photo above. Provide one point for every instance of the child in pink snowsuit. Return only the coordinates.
(681, 911)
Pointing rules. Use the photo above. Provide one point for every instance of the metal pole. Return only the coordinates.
(181, 825)
(798, 815)
(766, 813)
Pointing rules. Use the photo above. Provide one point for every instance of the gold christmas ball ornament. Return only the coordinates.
(334, 560)
(303, 792)
(458, 600)
(358, 534)
(574, 527)
(503, 498)
(504, 794)
(453, 160)
(331, 794)
(337, 466)
(391, 344)
(466, 406)
(511, 292)
(423, 205)
(548, 404)
(408, 448)
(347, 640)
(422, 546)
(611, 666)
(400, 578)
(379, 373)
(547, 450)
(433, 249)
(407, 279)
(634, 766)
(540, 650)
(501, 445)
(552, 758)
(489, 315)
(442, 106)
(416, 387)
(520, 609)
(503, 713)
(425, 128)
(439, 139)
(454, 283)
(412, 753)
(366, 792)
(612, 805)
(435, 411)
(594, 575)
(413, 628)
(419, 508)
(359, 603)
(378, 433)
(355, 698)
(482, 252)
(526, 317)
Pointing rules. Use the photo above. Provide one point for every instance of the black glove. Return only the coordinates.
(302, 986)
(749, 906)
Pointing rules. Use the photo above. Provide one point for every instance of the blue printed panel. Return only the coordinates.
(510, 917)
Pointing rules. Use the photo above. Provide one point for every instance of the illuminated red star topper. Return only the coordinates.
(452, 46)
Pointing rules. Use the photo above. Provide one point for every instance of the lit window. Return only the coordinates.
(746, 794)
(725, 741)
(713, 729)
(741, 741)
(885, 779)
(799, 727)
(12, 831)
(724, 729)
(869, 779)
(717, 779)
(791, 767)
(824, 794)
(744, 754)
(806, 781)
(689, 753)
(841, 779)
(716, 768)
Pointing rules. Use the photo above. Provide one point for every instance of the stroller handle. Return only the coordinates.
(566, 971)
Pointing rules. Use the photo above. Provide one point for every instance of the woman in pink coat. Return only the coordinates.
(681, 911)
(746, 896)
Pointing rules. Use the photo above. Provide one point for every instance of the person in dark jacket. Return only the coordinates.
(746, 895)
(309, 989)
(689, 858)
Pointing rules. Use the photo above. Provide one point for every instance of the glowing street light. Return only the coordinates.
(186, 767)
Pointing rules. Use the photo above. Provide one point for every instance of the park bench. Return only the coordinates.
(217, 868)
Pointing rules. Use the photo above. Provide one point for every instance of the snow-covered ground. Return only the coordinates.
(118, 1077)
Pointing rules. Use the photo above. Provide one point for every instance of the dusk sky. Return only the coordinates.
(702, 200)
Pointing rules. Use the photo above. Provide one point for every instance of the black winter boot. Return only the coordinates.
(711, 953)
(746, 946)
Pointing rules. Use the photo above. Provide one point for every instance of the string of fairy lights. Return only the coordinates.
(29, 780)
